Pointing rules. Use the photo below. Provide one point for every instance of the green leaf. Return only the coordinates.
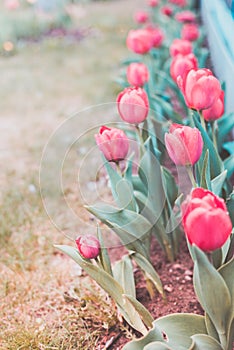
(226, 272)
(230, 206)
(204, 342)
(150, 171)
(225, 125)
(142, 311)
(123, 273)
(148, 270)
(218, 182)
(104, 256)
(205, 173)
(178, 328)
(229, 146)
(122, 189)
(106, 281)
(153, 335)
(156, 345)
(212, 291)
(229, 165)
(216, 166)
(170, 186)
(210, 327)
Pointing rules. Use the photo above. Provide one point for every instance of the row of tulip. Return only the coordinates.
(174, 106)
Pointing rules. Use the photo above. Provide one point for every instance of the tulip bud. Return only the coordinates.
(157, 35)
(181, 65)
(184, 144)
(185, 16)
(137, 74)
(180, 3)
(167, 10)
(88, 246)
(190, 32)
(180, 46)
(200, 88)
(153, 3)
(206, 220)
(141, 17)
(139, 41)
(113, 143)
(216, 110)
(133, 105)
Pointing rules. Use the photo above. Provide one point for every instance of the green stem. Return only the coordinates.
(119, 171)
(214, 136)
(223, 340)
(203, 123)
(191, 176)
(140, 138)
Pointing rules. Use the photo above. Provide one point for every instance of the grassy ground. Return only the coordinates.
(44, 302)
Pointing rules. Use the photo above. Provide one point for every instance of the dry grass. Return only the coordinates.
(45, 303)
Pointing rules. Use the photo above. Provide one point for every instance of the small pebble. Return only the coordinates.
(168, 288)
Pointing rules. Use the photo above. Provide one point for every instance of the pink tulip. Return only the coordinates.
(216, 110)
(206, 220)
(88, 246)
(167, 10)
(180, 3)
(200, 88)
(137, 74)
(139, 41)
(133, 105)
(12, 4)
(190, 32)
(157, 35)
(153, 3)
(180, 46)
(141, 17)
(113, 143)
(184, 144)
(181, 65)
(185, 16)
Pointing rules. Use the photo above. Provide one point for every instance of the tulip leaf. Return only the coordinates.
(123, 273)
(218, 182)
(178, 328)
(141, 310)
(156, 345)
(204, 342)
(211, 328)
(229, 165)
(150, 173)
(205, 172)
(230, 206)
(170, 186)
(226, 272)
(122, 189)
(104, 256)
(225, 125)
(110, 285)
(153, 335)
(104, 280)
(229, 146)
(148, 271)
(216, 166)
(212, 291)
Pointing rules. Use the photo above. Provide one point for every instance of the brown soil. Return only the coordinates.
(178, 284)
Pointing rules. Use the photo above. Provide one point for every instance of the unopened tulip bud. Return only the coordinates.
(113, 143)
(206, 220)
(181, 65)
(200, 88)
(180, 46)
(133, 105)
(184, 144)
(139, 41)
(190, 32)
(216, 110)
(137, 74)
(88, 246)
